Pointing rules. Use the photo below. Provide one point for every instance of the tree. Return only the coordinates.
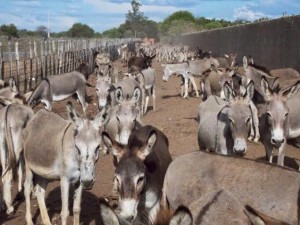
(9, 30)
(81, 30)
(135, 18)
(213, 25)
(42, 31)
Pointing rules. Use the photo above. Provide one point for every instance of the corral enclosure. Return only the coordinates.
(274, 43)
(31, 60)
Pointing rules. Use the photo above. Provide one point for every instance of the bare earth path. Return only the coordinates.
(174, 116)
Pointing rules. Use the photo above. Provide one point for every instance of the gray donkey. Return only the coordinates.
(13, 119)
(55, 148)
(140, 170)
(59, 87)
(124, 117)
(224, 126)
(200, 177)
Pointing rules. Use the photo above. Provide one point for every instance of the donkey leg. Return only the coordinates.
(76, 205)
(186, 86)
(194, 85)
(153, 98)
(255, 121)
(40, 193)
(280, 160)
(81, 96)
(6, 180)
(146, 101)
(27, 190)
(64, 186)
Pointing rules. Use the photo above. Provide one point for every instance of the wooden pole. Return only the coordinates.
(17, 64)
(1, 62)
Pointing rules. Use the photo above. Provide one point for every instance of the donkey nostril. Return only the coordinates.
(130, 218)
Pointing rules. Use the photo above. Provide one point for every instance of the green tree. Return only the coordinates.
(42, 31)
(9, 30)
(81, 30)
(213, 25)
(135, 18)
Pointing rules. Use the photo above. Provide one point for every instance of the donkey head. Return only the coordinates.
(87, 140)
(131, 172)
(277, 110)
(11, 90)
(239, 116)
(103, 89)
(167, 72)
(127, 114)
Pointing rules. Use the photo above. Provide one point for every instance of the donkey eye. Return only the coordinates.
(285, 115)
(248, 120)
(97, 90)
(140, 180)
(269, 114)
(118, 119)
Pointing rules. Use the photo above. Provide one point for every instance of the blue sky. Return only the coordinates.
(105, 14)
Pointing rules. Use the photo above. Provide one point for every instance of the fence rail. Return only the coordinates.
(29, 61)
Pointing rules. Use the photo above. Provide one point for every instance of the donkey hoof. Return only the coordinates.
(10, 210)
(251, 138)
(256, 139)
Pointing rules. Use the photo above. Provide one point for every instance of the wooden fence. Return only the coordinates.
(29, 61)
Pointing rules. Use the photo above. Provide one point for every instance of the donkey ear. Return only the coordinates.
(114, 147)
(73, 115)
(258, 218)
(102, 117)
(136, 95)
(143, 153)
(12, 85)
(245, 62)
(182, 216)
(119, 95)
(228, 92)
(267, 92)
(291, 91)
(108, 215)
(249, 91)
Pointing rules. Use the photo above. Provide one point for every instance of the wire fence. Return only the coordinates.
(30, 61)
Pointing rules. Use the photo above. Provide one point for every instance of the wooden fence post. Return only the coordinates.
(10, 59)
(17, 64)
(37, 62)
(1, 62)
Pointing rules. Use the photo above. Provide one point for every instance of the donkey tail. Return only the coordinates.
(12, 162)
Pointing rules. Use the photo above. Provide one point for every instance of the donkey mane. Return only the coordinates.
(262, 68)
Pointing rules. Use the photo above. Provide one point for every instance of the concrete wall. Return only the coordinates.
(273, 44)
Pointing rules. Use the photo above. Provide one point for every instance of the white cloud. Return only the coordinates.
(245, 13)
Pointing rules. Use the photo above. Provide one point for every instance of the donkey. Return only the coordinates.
(247, 181)
(147, 81)
(279, 120)
(13, 119)
(224, 126)
(9, 91)
(106, 91)
(55, 148)
(124, 117)
(140, 170)
(137, 64)
(59, 87)
(182, 216)
(104, 67)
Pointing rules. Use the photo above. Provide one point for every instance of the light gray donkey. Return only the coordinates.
(224, 126)
(55, 148)
(125, 117)
(206, 177)
(13, 119)
(147, 81)
(140, 170)
(280, 118)
(59, 87)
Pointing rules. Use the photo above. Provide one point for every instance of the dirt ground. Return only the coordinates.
(175, 116)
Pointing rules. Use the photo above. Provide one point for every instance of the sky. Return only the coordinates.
(105, 14)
